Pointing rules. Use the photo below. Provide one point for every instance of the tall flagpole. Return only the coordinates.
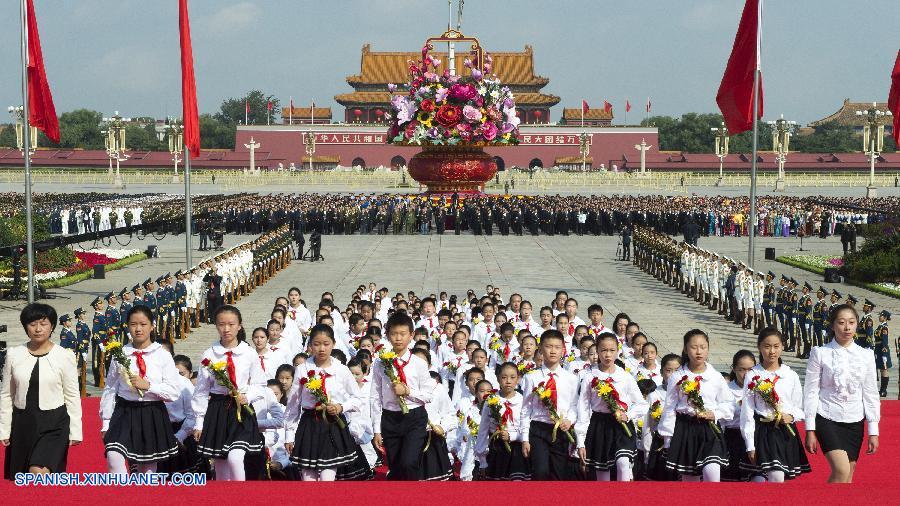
(26, 145)
(751, 254)
(188, 236)
(583, 155)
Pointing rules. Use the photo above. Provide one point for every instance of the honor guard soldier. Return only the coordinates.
(768, 302)
(124, 309)
(805, 319)
(883, 350)
(181, 304)
(820, 317)
(113, 319)
(791, 308)
(98, 335)
(866, 331)
(781, 305)
(138, 299)
(150, 299)
(83, 333)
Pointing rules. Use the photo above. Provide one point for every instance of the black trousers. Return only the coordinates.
(404, 438)
(549, 459)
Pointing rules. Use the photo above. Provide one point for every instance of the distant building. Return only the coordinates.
(593, 117)
(846, 116)
(303, 116)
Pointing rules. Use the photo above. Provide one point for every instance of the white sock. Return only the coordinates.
(775, 476)
(147, 467)
(623, 469)
(223, 471)
(236, 465)
(712, 472)
(309, 474)
(116, 463)
(758, 479)
(329, 474)
(602, 475)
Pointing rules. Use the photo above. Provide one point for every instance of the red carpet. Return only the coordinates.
(876, 476)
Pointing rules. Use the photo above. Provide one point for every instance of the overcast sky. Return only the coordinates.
(123, 54)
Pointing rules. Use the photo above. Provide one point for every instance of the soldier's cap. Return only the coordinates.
(178, 272)
(149, 280)
(64, 318)
(160, 279)
(868, 302)
(109, 295)
(836, 293)
(97, 300)
(886, 314)
(784, 278)
(78, 312)
(135, 288)
(850, 297)
(168, 275)
(807, 286)
(822, 290)
(123, 291)
(770, 274)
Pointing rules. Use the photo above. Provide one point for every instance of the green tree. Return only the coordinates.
(7, 136)
(232, 110)
(80, 129)
(828, 138)
(214, 134)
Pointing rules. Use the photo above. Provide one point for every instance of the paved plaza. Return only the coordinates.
(534, 266)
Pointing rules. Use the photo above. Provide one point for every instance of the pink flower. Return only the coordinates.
(463, 92)
(477, 74)
(410, 129)
(472, 114)
(489, 131)
(441, 94)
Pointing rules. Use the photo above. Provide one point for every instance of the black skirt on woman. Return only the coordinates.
(507, 465)
(321, 443)
(695, 443)
(737, 457)
(778, 450)
(436, 459)
(38, 438)
(656, 461)
(222, 432)
(606, 441)
(140, 431)
(847, 436)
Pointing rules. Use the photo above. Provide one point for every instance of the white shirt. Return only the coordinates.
(589, 401)
(653, 374)
(840, 386)
(566, 397)
(338, 383)
(160, 372)
(790, 393)
(441, 411)
(488, 425)
(180, 409)
(713, 390)
(300, 317)
(419, 381)
(251, 380)
(738, 392)
(461, 391)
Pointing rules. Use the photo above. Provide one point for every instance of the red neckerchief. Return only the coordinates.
(142, 366)
(232, 373)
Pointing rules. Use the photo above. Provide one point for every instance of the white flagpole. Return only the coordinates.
(188, 236)
(26, 145)
(583, 155)
(291, 112)
(752, 243)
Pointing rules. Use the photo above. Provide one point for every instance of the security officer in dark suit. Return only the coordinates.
(768, 305)
(780, 306)
(83, 334)
(68, 339)
(150, 299)
(805, 320)
(124, 309)
(113, 318)
(98, 336)
(820, 316)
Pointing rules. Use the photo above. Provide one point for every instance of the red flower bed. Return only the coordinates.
(85, 261)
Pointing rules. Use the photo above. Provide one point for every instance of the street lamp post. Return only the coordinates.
(585, 149)
(873, 142)
(115, 143)
(721, 134)
(17, 112)
(309, 139)
(781, 139)
(175, 133)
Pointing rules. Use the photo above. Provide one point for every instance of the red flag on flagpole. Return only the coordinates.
(269, 105)
(894, 99)
(648, 104)
(188, 84)
(246, 107)
(607, 106)
(735, 96)
(41, 112)
(627, 105)
(584, 106)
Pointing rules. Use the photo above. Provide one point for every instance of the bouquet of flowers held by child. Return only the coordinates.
(691, 390)
(501, 418)
(395, 375)
(500, 347)
(765, 390)
(115, 351)
(452, 366)
(525, 367)
(656, 412)
(316, 386)
(609, 394)
(546, 396)
(219, 371)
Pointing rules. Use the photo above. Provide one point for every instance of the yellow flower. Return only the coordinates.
(388, 355)
(493, 400)
(545, 394)
(656, 413)
(603, 389)
(221, 365)
(689, 386)
(765, 386)
(112, 345)
(314, 384)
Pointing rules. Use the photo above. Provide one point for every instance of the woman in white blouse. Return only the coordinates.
(840, 393)
(40, 406)
(136, 423)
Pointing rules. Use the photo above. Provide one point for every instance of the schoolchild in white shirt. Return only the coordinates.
(219, 433)
(361, 420)
(572, 315)
(283, 350)
(595, 315)
(525, 320)
(270, 419)
(504, 347)
(655, 456)
(136, 424)
(649, 368)
(497, 433)
(290, 335)
(268, 360)
(479, 360)
(741, 363)
(358, 327)
(469, 429)
(607, 434)
(442, 424)
(774, 450)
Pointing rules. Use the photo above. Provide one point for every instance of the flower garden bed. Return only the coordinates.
(818, 263)
(83, 267)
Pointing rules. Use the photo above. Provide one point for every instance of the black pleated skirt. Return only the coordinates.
(695, 444)
(507, 465)
(37, 438)
(187, 460)
(222, 432)
(656, 461)
(778, 450)
(436, 459)
(321, 444)
(140, 431)
(357, 470)
(607, 441)
(737, 456)
(847, 436)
